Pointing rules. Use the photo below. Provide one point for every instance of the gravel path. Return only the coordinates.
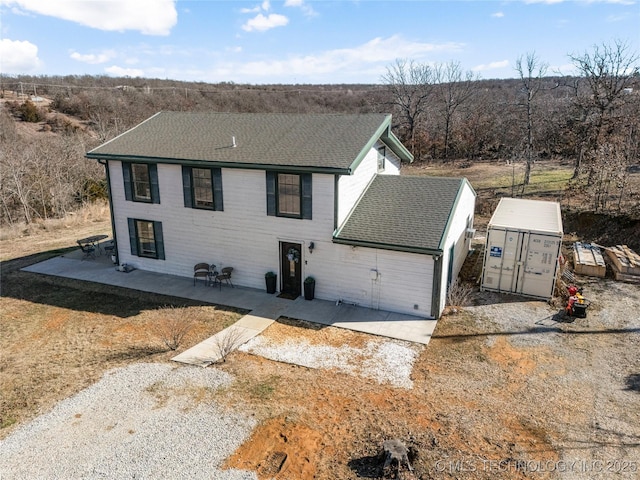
(382, 360)
(139, 421)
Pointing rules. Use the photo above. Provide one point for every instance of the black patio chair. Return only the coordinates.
(89, 251)
(201, 271)
(225, 276)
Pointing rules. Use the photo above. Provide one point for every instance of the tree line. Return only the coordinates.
(440, 112)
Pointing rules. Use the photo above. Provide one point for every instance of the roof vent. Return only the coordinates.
(233, 142)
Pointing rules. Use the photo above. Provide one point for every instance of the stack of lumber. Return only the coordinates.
(588, 260)
(625, 263)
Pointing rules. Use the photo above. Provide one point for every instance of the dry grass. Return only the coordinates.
(58, 336)
(459, 294)
(481, 391)
(20, 240)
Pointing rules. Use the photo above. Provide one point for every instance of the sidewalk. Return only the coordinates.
(264, 308)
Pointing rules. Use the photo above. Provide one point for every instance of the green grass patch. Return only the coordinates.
(541, 181)
(7, 422)
(265, 389)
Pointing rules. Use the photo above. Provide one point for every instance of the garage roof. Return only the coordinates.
(402, 213)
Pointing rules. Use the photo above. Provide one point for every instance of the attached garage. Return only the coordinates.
(413, 236)
(522, 248)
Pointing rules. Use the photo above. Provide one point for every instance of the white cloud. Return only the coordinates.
(497, 15)
(370, 58)
(491, 66)
(306, 9)
(258, 8)
(250, 10)
(124, 72)
(18, 56)
(150, 17)
(262, 23)
(94, 58)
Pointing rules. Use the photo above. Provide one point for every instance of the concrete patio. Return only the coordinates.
(264, 308)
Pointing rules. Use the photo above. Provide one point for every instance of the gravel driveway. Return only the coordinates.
(139, 422)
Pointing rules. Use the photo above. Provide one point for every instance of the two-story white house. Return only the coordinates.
(298, 194)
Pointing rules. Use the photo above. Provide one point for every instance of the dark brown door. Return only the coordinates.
(291, 268)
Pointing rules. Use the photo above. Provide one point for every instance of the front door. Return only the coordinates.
(291, 268)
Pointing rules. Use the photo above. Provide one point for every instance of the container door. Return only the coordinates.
(540, 265)
(501, 260)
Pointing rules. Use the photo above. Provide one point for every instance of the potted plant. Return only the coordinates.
(309, 288)
(270, 279)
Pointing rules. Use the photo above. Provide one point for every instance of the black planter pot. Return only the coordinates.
(271, 282)
(309, 290)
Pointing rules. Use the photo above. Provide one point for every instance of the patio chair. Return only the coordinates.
(225, 276)
(89, 251)
(201, 270)
(109, 247)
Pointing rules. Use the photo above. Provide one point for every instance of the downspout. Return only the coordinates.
(113, 223)
(336, 180)
(437, 285)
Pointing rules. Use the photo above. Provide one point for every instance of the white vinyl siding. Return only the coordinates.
(350, 187)
(342, 272)
(456, 236)
(241, 236)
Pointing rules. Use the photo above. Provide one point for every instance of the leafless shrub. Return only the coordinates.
(227, 341)
(172, 327)
(459, 294)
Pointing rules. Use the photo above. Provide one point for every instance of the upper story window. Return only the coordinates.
(202, 188)
(289, 195)
(141, 182)
(382, 158)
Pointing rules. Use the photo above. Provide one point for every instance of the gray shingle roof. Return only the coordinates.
(324, 141)
(402, 213)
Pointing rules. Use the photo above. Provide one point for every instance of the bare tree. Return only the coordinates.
(605, 74)
(455, 88)
(410, 86)
(531, 73)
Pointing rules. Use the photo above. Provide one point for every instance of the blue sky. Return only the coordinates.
(301, 41)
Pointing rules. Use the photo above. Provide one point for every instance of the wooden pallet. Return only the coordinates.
(625, 263)
(588, 260)
(626, 260)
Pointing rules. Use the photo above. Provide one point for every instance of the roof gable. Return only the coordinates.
(402, 213)
(332, 142)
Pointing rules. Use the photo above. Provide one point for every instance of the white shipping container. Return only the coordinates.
(524, 238)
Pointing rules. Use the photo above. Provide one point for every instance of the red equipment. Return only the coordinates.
(576, 305)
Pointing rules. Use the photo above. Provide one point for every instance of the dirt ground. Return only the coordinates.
(504, 390)
(58, 336)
